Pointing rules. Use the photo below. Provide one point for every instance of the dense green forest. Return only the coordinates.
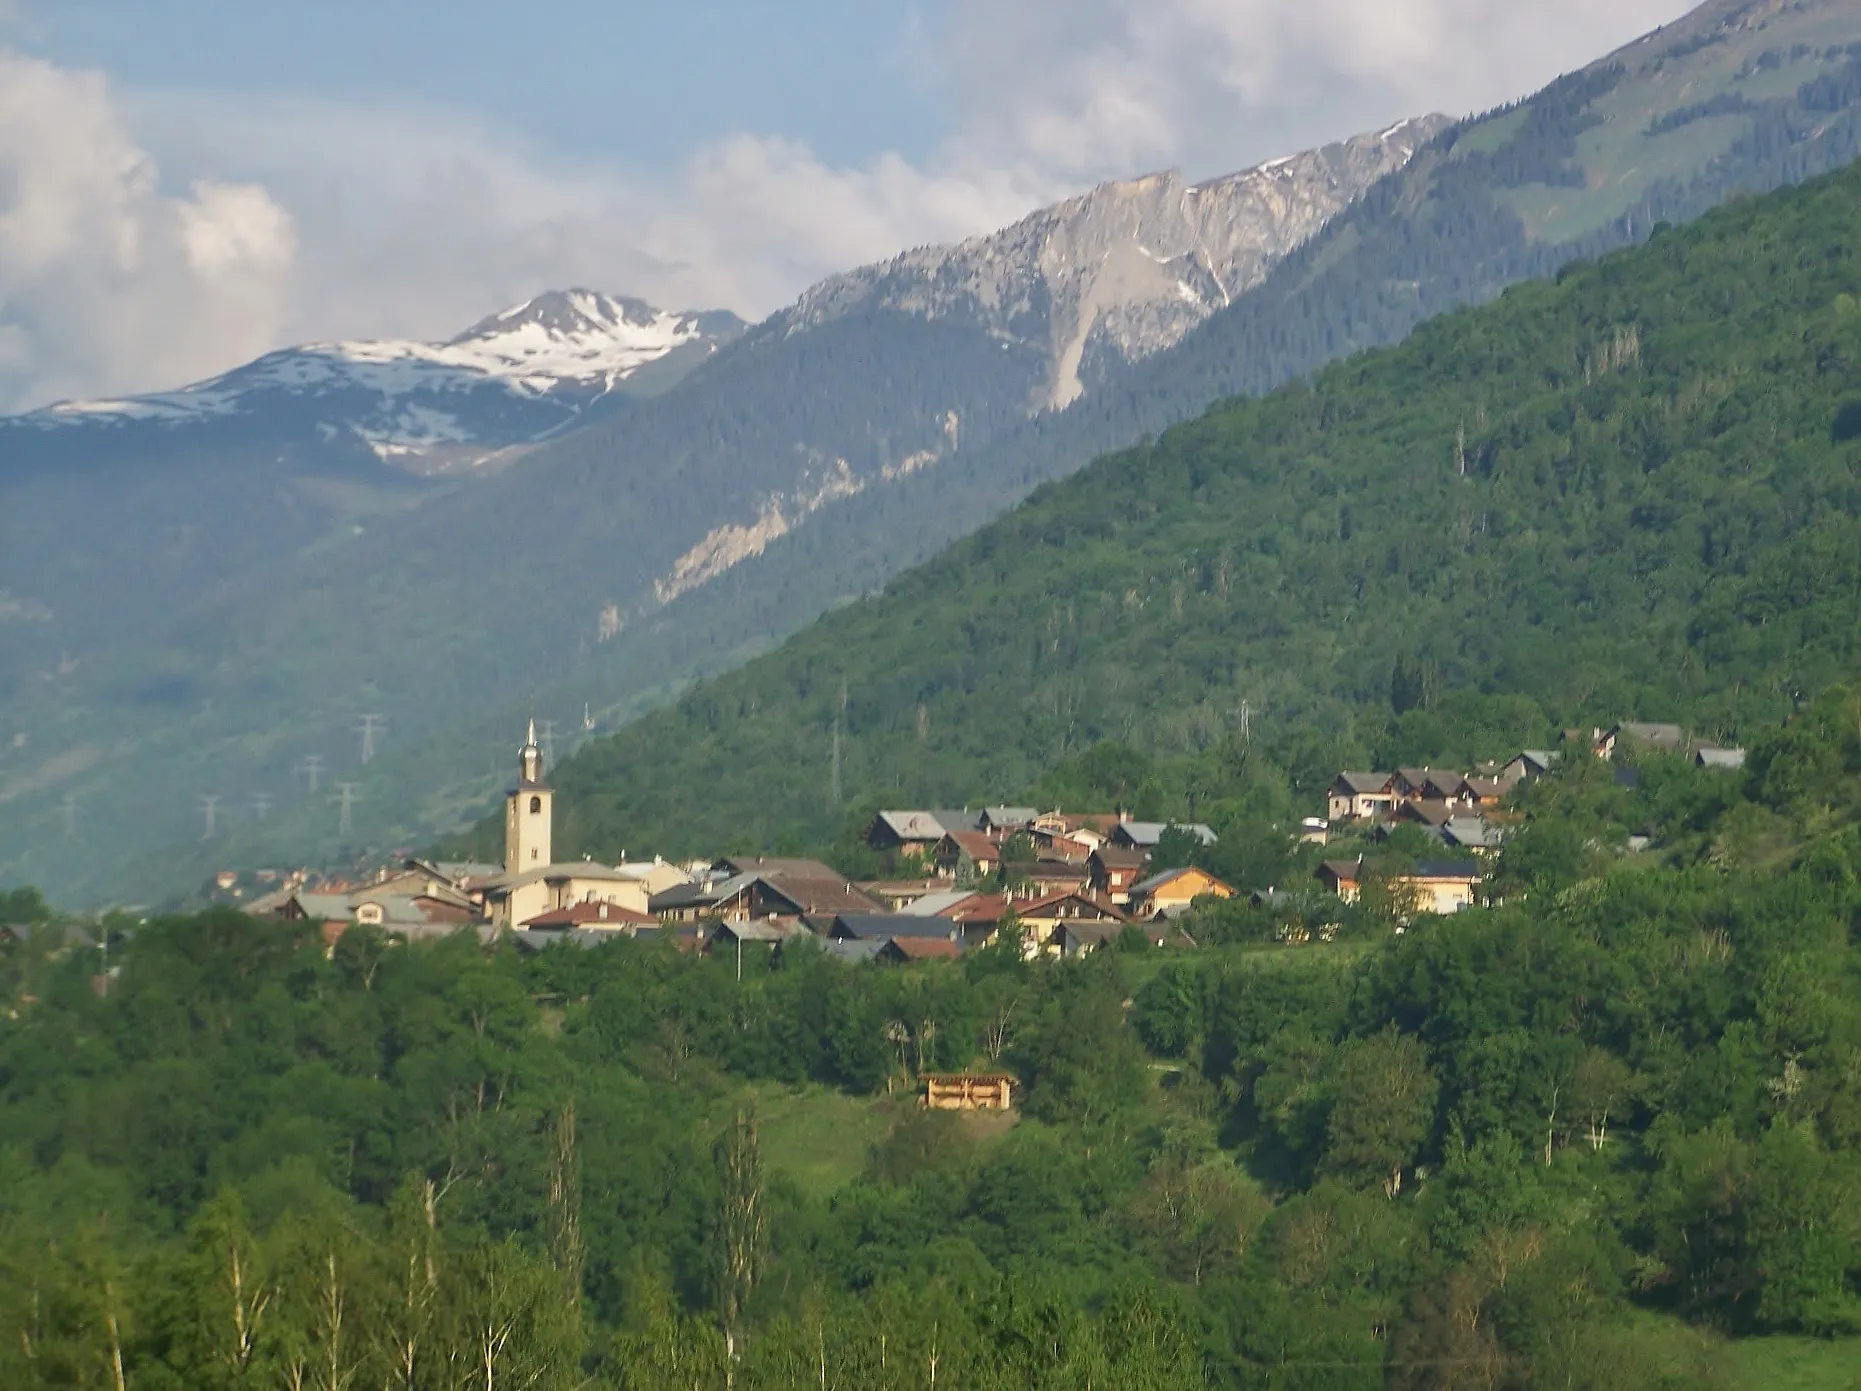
(1629, 493)
(1603, 1133)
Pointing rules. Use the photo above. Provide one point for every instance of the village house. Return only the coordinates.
(1046, 877)
(1439, 886)
(1087, 831)
(966, 855)
(967, 1091)
(899, 894)
(1657, 738)
(1172, 891)
(914, 834)
(1001, 822)
(1360, 796)
(1532, 763)
(1426, 785)
(1042, 918)
(743, 889)
(1114, 869)
(593, 915)
(1725, 760)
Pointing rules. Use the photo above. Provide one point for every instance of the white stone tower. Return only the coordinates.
(528, 812)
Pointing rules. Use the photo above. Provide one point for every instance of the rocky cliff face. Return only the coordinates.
(1125, 270)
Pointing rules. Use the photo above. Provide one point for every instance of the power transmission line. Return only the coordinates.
(261, 806)
(547, 728)
(69, 806)
(346, 821)
(839, 719)
(370, 727)
(312, 768)
(210, 808)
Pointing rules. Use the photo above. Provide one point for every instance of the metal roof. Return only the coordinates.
(937, 904)
(1148, 833)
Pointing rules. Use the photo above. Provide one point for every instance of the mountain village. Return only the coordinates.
(1064, 883)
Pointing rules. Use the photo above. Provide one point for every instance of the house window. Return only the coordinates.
(536, 806)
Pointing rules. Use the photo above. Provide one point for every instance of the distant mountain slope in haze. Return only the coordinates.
(439, 601)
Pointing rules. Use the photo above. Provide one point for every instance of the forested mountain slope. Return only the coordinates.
(1629, 493)
(1737, 97)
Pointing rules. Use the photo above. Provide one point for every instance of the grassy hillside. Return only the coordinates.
(1629, 493)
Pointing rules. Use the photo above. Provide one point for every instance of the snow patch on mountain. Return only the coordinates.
(559, 351)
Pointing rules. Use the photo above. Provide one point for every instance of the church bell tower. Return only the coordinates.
(528, 812)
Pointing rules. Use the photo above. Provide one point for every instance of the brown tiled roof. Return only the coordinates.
(592, 915)
(813, 894)
(982, 908)
(1118, 857)
(807, 869)
(1038, 906)
(975, 844)
(1429, 813)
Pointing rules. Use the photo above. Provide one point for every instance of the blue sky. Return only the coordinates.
(196, 182)
(643, 80)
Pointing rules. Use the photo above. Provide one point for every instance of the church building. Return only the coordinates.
(532, 883)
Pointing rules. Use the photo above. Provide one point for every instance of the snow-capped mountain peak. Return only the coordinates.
(577, 335)
(514, 377)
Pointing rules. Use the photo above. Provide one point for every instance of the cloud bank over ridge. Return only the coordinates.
(150, 238)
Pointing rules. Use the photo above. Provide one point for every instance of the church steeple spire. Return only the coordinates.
(527, 811)
(530, 760)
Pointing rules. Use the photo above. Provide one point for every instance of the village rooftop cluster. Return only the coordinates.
(1069, 883)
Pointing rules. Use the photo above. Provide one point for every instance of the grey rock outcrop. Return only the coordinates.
(1127, 269)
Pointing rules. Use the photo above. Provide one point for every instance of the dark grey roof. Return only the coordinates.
(1149, 833)
(1667, 736)
(1472, 833)
(1447, 869)
(1365, 782)
(703, 895)
(929, 825)
(881, 926)
(852, 949)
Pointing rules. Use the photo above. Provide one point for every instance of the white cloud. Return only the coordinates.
(1089, 86)
(107, 281)
(301, 217)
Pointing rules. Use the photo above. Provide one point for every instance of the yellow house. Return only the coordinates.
(1439, 886)
(1174, 890)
